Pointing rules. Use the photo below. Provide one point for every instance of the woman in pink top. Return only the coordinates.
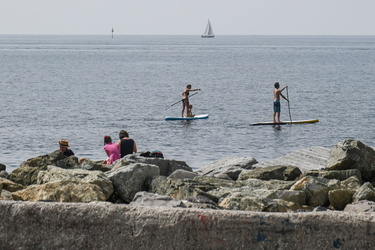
(111, 149)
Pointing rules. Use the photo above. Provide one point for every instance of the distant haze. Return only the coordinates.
(188, 17)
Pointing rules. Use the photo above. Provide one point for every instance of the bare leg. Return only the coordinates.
(183, 108)
(278, 117)
(187, 107)
(274, 117)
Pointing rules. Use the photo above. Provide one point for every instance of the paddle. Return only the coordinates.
(180, 101)
(287, 96)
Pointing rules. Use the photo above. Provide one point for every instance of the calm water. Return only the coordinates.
(84, 87)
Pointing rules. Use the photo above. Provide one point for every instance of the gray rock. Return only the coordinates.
(353, 154)
(231, 166)
(295, 196)
(27, 173)
(365, 192)
(166, 166)
(336, 174)
(362, 206)
(316, 189)
(98, 178)
(155, 200)
(5, 195)
(267, 184)
(61, 191)
(183, 189)
(183, 174)
(4, 174)
(313, 158)
(10, 185)
(339, 198)
(94, 165)
(255, 204)
(352, 183)
(286, 173)
(130, 179)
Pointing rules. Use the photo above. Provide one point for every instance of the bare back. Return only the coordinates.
(276, 94)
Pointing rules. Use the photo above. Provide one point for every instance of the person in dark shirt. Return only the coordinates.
(126, 145)
(64, 148)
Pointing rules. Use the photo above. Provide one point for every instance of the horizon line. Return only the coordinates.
(110, 34)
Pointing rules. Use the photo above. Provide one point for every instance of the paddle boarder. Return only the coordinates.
(185, 99)
(276, 102)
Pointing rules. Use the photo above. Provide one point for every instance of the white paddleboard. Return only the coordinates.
(196, 117)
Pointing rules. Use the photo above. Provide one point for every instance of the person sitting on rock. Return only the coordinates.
(111, 149)
(64, 148)
(126, 145)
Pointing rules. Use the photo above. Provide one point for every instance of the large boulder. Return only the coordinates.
(231, 166)
(98, 178)
(27, 173)
(316, 189)
(200, 186)
(339, 198)
(2, 167)
(166, 166)
(353, 154)
(61, 191)
(336, 174)
(94, 165)
(365, 192)
(305, 159)
(247, 193)
(131, 178)
(10, 185)
(182, 174)
(352, 183)
(286, 173)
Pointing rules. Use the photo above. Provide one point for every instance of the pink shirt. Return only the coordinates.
(112, 151)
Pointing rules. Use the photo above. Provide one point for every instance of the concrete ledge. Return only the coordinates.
(39, 225)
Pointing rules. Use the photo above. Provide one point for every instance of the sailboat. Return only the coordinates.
(209, 32)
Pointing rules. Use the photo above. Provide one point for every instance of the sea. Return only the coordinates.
(81, 88)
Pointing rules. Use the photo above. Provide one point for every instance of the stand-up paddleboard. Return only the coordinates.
(170, 118)
(285, 122)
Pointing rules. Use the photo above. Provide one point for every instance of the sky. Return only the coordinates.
(188, 17)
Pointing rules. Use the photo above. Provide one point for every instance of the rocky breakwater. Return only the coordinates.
(314, 179)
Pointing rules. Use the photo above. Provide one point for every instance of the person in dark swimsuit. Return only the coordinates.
(185, 100)
(126, 145)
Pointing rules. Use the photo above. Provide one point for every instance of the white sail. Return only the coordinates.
(209, 32)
